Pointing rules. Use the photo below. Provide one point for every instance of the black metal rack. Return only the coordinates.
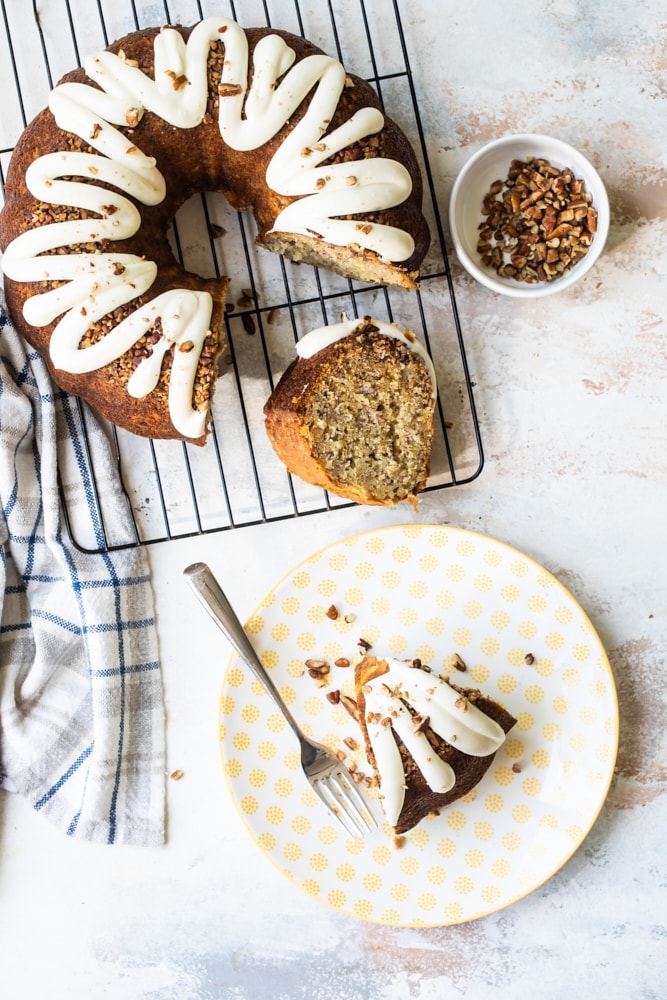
(175, 490)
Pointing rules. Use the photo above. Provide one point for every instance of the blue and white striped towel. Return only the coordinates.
(81, 707)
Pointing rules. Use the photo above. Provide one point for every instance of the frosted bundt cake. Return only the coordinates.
(354, 413)
(96, 179)
(428, 741)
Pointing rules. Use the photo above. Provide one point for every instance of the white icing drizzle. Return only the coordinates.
(98, 283)
(455, 719)
(317, 340)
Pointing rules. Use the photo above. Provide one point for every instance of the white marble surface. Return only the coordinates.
(571, 395)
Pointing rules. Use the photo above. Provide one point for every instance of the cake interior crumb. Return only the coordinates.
(370, 420)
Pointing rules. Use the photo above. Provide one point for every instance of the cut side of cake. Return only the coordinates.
(429, 742)
(354, 412)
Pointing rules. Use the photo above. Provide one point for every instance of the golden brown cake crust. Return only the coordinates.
(201, 163)
(420, 800)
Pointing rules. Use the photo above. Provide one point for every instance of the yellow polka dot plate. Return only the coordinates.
(430, 592)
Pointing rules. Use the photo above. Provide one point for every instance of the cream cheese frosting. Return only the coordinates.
(389, 698)
(249, 116)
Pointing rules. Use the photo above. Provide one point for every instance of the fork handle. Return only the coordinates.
(210, 594)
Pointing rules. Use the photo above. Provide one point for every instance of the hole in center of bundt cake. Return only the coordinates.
(198, 222)
(370, 418)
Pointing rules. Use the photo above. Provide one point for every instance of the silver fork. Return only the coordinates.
(327, 776)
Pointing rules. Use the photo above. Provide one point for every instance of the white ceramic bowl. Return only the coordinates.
(491, 163)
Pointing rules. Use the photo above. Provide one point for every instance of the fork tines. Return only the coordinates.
(343, 800)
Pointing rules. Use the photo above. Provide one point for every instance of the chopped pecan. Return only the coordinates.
(229, 89)
(317, 668)
(537, 207)
(458, 663)
(420, 723)
(351, 705)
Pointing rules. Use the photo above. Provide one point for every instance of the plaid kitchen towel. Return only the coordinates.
(81, 708)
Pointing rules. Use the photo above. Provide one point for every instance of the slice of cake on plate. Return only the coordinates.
(429, 741)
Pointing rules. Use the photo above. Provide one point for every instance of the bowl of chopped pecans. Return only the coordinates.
(528, 215)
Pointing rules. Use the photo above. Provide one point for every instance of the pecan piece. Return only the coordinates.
(537, 207)
(351, 706)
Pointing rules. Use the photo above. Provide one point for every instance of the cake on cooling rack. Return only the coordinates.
(96, 179)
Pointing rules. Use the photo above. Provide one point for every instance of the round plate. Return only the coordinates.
(426, 591)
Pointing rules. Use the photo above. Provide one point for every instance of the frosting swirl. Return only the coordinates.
(450, 714)
(249, 116)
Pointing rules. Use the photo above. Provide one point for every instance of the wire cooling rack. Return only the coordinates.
(174, 490)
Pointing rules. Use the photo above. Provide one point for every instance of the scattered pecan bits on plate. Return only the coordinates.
(538, 222)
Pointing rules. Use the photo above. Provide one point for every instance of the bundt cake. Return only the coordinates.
(428, 741)
(354, 412)
(260, 115)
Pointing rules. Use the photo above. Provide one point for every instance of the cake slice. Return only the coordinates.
(353, 413)
(428, 741)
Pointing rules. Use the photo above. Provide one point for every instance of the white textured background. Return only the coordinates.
(571, 396)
